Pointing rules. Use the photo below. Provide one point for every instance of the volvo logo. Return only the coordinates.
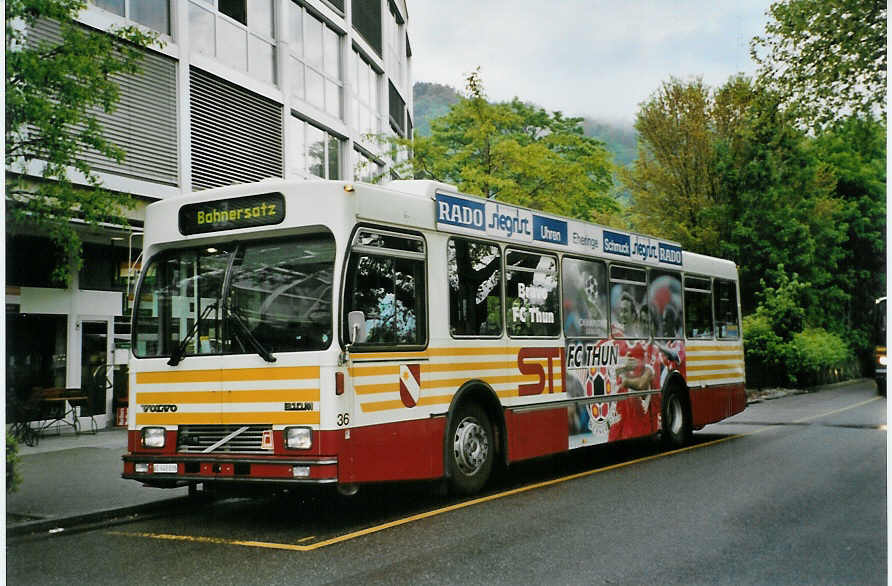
(159, 408)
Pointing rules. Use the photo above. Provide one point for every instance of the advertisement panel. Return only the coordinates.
(466, 215)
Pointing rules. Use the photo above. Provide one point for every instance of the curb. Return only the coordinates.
(73, 523)
(759, 396)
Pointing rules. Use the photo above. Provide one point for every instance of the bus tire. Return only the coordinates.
(470, 449)
(676, 428)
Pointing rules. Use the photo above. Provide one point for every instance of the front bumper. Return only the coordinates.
(181, 470)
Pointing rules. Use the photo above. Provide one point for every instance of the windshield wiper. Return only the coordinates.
(179, 352)
(252, 340)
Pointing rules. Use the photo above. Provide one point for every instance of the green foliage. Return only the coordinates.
(53, 92)
(13, 478)
(673, 183)
(516, 153)
(779, 350)
(855, 152)
(819, 357)
(826, 59)
(781, 306)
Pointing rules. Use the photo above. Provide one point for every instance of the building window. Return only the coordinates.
(367, 22)
(394, 50)
(397, 110)
(30, 261)
(316, 71)
(368, 105)
(317, 152)
(367, 168)
(106, 267)
(238, 33)
(153, 14)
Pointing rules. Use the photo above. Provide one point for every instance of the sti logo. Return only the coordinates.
(460, 212)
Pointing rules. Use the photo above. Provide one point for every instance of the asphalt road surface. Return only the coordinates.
(791, 491)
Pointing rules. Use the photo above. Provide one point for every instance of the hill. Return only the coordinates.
(433, 100)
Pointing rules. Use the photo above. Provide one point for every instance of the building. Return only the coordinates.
(242, 90)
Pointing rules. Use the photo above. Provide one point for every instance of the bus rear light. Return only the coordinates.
(339, 383)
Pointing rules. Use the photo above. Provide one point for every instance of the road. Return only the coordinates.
(791, 491)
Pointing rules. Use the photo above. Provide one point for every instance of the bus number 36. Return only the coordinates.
(343, 419)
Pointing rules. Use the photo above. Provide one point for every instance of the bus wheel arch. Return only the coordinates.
(676, 425)
(474, 439)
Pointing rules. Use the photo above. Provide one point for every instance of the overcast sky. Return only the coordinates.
(596, 58)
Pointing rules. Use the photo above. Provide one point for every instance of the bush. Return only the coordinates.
(12, 457)
(811, 357)
(820, 357)
(765, 352)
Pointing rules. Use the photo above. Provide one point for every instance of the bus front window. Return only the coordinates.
(278, 299)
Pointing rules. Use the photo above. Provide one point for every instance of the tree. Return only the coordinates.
(516, 153)
(673, 182)
(826, 59)
(726, 173)
(53, 91)
(855, 152)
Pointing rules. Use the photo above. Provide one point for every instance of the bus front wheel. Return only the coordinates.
(676, 420)
(470, 449)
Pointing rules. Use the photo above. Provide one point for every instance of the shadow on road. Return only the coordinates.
(306, 515)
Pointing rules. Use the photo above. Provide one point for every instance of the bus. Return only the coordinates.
(290, 333)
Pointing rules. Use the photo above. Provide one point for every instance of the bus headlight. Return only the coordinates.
(298, 438)
(882, 360)
(152, 437)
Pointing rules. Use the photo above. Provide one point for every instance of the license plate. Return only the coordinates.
(170, 468)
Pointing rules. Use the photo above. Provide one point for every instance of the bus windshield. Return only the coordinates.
(258, 296)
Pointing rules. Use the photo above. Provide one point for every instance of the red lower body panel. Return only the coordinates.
(536, 433)
(712, 404)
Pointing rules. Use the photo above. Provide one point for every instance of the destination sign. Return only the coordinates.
(475, 216)
(230, 214)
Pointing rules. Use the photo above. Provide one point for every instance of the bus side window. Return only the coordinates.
(698, 307)
(585, 298)
(531, 294)
(386, 281)
(629, 314)
(664, 304)
(726, 310)
(475, 288)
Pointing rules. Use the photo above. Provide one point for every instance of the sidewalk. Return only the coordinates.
(76, 479)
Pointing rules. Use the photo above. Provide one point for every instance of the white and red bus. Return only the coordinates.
(290, 333)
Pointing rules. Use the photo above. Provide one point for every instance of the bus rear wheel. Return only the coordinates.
(676, 429)
(470, 449)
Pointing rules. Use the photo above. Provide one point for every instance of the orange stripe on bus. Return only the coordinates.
(220, 396)
(699, 368)
(228, 374)
(180, 418)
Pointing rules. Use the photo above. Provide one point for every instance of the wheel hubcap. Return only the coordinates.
(470, 446)
(674, 413)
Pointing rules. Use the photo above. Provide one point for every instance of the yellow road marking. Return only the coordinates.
(835, 411)
(436, 512)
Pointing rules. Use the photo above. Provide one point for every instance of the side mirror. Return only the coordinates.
(356, 324)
